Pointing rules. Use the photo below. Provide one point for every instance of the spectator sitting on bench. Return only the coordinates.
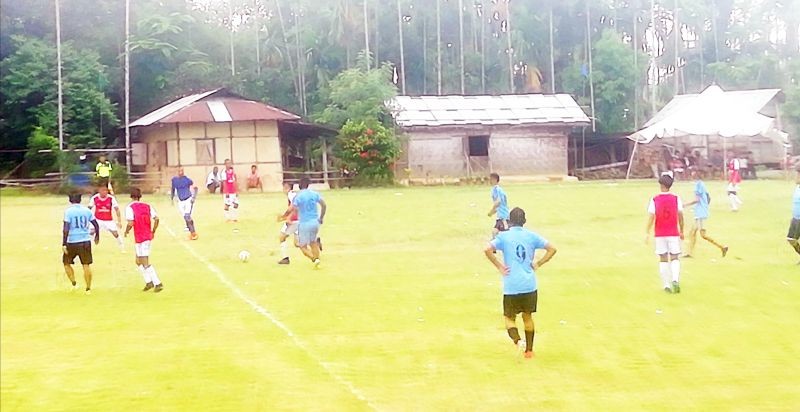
(254, 180)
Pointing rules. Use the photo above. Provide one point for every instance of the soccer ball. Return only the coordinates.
(244, 256)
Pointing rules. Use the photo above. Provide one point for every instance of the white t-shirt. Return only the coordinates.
(212, 178)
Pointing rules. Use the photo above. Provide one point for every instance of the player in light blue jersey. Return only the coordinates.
(310, 219)
(701, 203)
(520, 291)
(794, 228)
(499, 205)
(77, 240)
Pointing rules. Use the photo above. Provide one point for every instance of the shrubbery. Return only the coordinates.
(368, 150)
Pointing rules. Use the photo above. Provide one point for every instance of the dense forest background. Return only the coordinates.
(288, 52)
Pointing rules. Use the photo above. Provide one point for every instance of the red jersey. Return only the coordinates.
(290, 196)
(142, 215)
(229, 184)
(733, 169)
(666, 207)
(102, 207)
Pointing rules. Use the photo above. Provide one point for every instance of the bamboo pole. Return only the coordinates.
(128, 155)
(60, 79)
(402, 53)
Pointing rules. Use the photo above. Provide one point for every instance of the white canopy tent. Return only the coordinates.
(714, 112)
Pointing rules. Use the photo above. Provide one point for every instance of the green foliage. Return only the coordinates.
(748, 73)
(40, 163)
(368, 149)
(791, 109)
(359, 95)
(615, 78)
(27, 82)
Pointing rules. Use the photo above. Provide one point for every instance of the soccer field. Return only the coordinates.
(405, 313)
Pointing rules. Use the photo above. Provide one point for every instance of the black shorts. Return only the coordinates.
(102, 181)
(794, 230)
(522, 303)
(82, 250)
(501, 225)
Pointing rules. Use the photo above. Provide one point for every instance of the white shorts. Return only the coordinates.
(185, 206)
(142, 249)
(108, 225)
(668, 244)
(289, 228)
(231, 199)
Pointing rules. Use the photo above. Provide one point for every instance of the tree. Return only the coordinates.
(28, 88)
(615, 78)
(359, 94)
(367, 148)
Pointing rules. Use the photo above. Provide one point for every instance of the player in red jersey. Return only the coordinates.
(102, 204)
(289, 227)
(734, 178)
(143, 220)
(229, 192)
(666, 213)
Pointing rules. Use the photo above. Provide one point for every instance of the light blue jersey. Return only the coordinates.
(306, 203)
(78, 218)
(796, 203)
(701, 194)
(518, 246)
(499, 194)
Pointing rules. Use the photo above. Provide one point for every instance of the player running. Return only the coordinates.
(499, 205)
(310, 219)
(794, 228)
(103, 203)
(77, 240)
(666, 212)
(290, 224)
(734, 178)
(701, 212)
(182, 186)
(520, 292)
(229, 192)
(143, 220)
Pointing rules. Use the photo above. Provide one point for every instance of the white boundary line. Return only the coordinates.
(275, 321)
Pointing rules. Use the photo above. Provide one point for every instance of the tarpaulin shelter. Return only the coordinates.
(749, 117)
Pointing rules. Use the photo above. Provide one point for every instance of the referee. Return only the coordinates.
(103, 170)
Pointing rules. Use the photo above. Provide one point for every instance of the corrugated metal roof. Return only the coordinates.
(557, 109)
(213, 107)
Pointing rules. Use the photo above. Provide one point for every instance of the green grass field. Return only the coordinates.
(405, 313)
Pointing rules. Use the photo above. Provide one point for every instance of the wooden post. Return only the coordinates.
(324, 160)
(630, 162)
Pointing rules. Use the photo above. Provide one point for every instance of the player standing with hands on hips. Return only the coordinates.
(666, 214)
(143, 220)
(77, 240)
(182, 186)
(305, 203)
(520, 291)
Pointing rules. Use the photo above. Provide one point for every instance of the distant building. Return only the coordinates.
(200, 131)
(466, 136)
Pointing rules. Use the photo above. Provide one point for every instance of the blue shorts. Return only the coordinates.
(307, 232)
